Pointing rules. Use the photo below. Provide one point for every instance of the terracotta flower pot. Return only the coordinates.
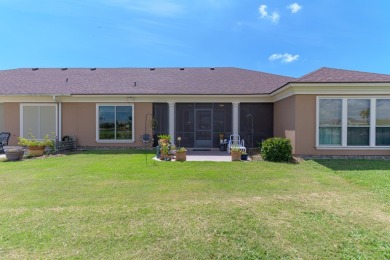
(236, 156)
(181, 156)
(36, 150)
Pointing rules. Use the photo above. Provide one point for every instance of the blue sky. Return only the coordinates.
(289, 38)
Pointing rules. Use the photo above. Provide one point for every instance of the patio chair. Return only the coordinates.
(4, 137)
(235, 140)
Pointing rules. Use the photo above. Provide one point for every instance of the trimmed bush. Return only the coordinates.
(276, 149)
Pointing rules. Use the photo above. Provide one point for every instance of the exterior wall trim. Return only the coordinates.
(331, 89)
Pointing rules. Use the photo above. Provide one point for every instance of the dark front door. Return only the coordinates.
(203, 128)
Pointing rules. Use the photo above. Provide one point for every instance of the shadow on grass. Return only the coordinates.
(354, 165)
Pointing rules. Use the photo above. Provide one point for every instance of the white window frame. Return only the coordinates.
(132, 122)
(344, 124)
(21, 108)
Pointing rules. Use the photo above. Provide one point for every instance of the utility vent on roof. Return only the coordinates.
(152, 68)
(64, 68)
(92, 68)
(34, 69)
(181, 68)
(212, 68)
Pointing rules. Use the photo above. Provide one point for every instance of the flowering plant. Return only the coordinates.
(32, 141)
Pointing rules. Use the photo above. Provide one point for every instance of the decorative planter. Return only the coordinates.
(163, 142)
(14, 153)
(236, 156)
(181, 156)
(244, 157)
(162, 156)
(36, 150)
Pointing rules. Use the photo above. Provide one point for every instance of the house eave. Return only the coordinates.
(332, 88)
(137, 98)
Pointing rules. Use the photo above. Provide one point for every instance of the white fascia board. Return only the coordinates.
(331, 89)
(169, 98)
(137, 98)
(28, 99)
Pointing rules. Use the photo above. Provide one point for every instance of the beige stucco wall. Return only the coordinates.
(284, 119)
(1, 117)
(305, 134)
(12, 121)
(79, 119)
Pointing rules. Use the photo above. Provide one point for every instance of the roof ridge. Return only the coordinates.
(357, 71)
(263, 72)
(310, 73)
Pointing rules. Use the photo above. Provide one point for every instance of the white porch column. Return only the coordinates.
(235, 121)
(171, 112)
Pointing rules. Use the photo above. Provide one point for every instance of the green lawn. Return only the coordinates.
(110, 204)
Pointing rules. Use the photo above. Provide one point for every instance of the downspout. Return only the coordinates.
(59, 116)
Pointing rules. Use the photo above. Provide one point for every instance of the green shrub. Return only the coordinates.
(276, 149)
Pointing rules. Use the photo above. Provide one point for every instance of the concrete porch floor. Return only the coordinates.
(214, 155)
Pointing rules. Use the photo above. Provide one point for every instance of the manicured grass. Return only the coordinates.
(110, 204)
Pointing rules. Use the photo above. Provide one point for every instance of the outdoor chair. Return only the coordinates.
(235, 140)
(4, 137)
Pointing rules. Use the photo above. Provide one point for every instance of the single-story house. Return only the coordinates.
(326, 112)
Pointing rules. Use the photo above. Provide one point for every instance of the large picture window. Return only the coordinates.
(115, 123)
(358, 122)
(38, 120)
(353, 122)
(382, 130)
(330, 113)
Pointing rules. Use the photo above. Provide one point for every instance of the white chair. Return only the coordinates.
(235, 140)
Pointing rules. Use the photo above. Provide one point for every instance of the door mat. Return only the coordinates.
(201, 150)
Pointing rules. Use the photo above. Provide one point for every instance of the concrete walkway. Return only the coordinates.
(207, 156)
(212, 156)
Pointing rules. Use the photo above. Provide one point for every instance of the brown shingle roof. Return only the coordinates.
(160, 81)
(342, 76)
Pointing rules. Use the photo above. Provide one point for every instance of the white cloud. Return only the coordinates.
(294, 7)
(263, 11)
(274, 17)
(285, 58)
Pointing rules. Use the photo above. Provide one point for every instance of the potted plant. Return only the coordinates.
(164, 151)
(163, 139)
(14, 153)
(34, 146)
(235, 153)
(181, 154)
(244, 156)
